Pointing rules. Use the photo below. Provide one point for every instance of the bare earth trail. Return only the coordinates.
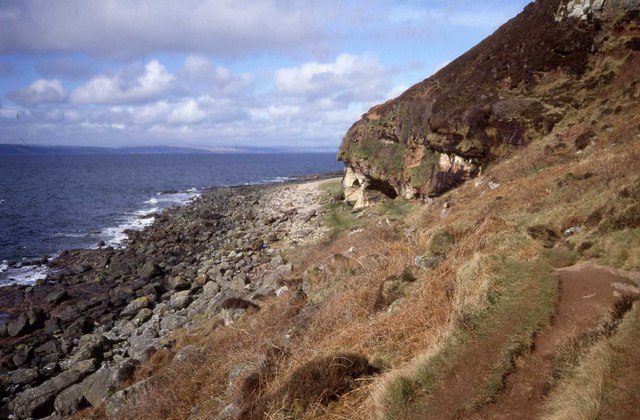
(587, 295)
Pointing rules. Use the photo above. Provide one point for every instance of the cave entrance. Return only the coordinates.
(383, 187)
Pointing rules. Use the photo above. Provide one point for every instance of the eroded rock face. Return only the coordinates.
(585, 10)
(495, 99)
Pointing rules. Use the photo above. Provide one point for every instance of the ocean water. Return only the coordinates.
(49, 203)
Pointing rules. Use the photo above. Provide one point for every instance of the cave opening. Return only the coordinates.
(383, 187)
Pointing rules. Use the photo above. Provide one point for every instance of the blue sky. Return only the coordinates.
(220, 73)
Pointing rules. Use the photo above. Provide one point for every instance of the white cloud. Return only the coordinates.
(188, 112)
(154, 81)
(197, 67)
(349, 78)
(41, 90)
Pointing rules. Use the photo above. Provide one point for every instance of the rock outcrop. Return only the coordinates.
(503, 94)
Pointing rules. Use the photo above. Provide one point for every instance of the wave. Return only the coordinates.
(138, 220)
(24, 275)
(70, 235)
(4, 266)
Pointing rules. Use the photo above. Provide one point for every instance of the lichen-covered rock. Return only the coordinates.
(35, 402)
(113, 404)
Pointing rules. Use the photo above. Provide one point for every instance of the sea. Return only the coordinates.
(49, 203)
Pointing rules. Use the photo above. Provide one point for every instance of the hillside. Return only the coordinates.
(490, 270)
(513, 88)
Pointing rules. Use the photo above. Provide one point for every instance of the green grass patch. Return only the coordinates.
(619, 249)
(559, 257)
(519, 301)
(340, 217)
(384, 158)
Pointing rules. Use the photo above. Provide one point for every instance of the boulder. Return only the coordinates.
(210, 289)
(181, 300)
(18, 326)
(178, 283)
(56, 296)
(143, 316)
(89, 347)
(172, 322)
(101, 384)
(38, 401)
(135, 306)
(35, 316)
(23, 376)
(69, 401)
(149, 270)
(114, 403)
(427, 262)
(142, 347)
(21, 357)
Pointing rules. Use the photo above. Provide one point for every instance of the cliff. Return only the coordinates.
(514, 87)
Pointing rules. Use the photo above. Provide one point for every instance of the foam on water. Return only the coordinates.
(115, 236)
(23, 275)
(4, 266)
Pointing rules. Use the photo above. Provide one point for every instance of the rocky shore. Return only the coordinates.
(75, 340)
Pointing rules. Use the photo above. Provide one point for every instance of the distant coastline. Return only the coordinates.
(24, 149)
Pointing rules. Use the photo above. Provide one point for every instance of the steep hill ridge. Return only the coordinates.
(512, 88)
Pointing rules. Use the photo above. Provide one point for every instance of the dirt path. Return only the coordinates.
(464, 375)
(587, 294)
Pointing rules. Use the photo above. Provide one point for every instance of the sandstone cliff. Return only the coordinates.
(514, 87)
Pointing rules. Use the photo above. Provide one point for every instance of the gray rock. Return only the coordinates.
(56, 296)
(210, 290)
(23, 376)
(22, 356)
(188, 353)
(180, 300)
(18, 326)
(143, 316)
(426, 262)
(95, 388)
(276, 261)
(142, 347)
(149, 270)
(178, 283)
(35, 315)
(113, 404)
(228, 413)
(272, 279)
(172, 322)
(36, 402)
(134, 307)
(86, 367)
(69, 401)
(49, 369)
(90, 346)
(237, 284)
(632, 5)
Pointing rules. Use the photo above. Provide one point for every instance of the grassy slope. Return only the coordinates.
(440, 317)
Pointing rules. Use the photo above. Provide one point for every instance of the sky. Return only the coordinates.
(220, 73)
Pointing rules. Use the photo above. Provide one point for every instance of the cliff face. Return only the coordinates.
(510, 89)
